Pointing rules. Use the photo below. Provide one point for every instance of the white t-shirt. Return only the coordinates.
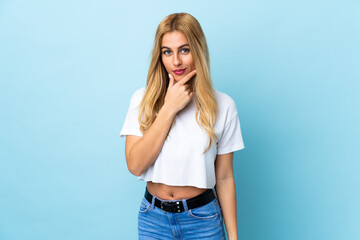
(181, 161)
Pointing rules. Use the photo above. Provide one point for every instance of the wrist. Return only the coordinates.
(168, 111)
(233, 238)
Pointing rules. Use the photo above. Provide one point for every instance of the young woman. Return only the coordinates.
(180, 138)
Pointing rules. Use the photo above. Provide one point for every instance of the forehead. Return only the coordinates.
(173, 39)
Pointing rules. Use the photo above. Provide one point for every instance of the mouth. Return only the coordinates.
(179, 71)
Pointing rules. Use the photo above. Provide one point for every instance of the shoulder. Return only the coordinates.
(137, 96)
(221, 96)
(225, 102)
(139, 92)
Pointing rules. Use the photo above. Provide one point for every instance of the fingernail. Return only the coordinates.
(195, 71)
(169, 75)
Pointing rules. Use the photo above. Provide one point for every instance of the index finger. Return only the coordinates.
(187, 77)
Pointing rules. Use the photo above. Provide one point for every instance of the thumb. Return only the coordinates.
(171, 81)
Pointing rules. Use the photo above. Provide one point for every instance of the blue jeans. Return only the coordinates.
(205, 222)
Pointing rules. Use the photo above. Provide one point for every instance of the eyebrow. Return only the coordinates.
(178, 47)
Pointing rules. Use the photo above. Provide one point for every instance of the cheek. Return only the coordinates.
(191, 66)
(166, 64)
(190, 61)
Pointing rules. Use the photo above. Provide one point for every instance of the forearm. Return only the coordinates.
(226, 192)
(145, 151)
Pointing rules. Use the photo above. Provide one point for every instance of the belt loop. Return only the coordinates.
(153, 202)
(185, 205)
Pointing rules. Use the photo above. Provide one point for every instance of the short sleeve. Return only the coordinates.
(231, 138)
(131, 124)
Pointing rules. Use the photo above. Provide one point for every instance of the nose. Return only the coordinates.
(176, 60)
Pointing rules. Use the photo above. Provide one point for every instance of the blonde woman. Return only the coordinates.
(180, 138)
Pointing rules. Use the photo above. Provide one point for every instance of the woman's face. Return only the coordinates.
(176, 55)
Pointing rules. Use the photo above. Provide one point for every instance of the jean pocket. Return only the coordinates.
(208, 211)
(144, 206)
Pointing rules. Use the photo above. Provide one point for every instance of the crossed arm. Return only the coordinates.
(225, 190)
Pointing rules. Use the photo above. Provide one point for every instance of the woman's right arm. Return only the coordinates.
(141, 152)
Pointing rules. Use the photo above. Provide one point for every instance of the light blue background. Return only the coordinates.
(69, 68)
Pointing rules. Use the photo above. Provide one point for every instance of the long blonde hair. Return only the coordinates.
(201, 84)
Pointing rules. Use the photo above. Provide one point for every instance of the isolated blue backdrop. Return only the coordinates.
(69, 68)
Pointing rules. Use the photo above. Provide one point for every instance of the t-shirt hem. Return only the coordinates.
(230, 149)
(129, 133)
(172, 184)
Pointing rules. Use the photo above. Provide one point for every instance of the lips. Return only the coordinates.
(179, 71)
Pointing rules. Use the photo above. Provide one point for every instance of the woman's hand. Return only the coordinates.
(178, 94)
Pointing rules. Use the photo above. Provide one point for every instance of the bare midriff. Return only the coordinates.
(167, 192)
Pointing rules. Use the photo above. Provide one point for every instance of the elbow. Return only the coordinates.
(132, 167)
(134, 170)
(136, 164)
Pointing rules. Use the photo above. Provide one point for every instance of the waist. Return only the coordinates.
(180, 205)
(168, 192)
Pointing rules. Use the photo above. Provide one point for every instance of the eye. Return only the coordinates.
(186, 50)
(166, 51)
